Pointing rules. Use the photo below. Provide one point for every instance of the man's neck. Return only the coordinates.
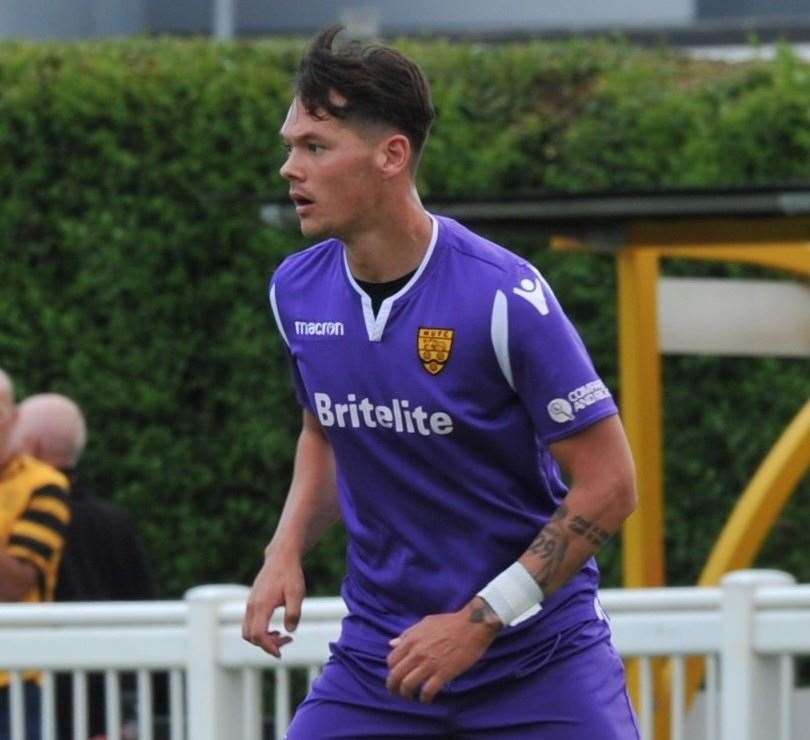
(393, 245)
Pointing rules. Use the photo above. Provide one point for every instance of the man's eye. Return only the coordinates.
(314, 148)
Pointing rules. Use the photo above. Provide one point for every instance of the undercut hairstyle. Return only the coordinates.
(376, 85)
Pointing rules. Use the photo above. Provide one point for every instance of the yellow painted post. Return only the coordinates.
(640, 384)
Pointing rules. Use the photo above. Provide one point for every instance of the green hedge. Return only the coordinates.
(135, 264)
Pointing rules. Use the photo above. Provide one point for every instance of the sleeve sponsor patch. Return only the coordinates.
(562, 410)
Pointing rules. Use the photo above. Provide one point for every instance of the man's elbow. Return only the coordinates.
(625, 496)
(619, 494)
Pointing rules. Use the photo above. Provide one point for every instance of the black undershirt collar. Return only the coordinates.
(378, 292)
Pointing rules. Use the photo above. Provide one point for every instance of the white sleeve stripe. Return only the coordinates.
(276, 314)
(499, 331)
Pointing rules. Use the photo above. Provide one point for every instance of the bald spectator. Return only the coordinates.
(33, 518)
(54, 430)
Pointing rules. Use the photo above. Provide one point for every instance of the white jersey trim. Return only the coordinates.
(375, 326)
(499, 331)
(276, 314)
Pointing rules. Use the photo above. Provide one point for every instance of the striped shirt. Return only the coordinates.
(34, 514)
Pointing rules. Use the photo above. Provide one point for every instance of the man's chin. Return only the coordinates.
(310, 228)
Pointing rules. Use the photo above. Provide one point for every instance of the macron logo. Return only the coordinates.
(532, 291)
(319, 328)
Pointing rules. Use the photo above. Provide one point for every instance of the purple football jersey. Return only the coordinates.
(440, 410)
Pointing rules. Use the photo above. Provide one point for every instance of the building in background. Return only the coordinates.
(696, 23)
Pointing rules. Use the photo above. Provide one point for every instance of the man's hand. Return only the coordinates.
(438, 648)
(280, 582)
(17, 577)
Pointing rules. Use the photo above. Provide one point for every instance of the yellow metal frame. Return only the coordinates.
(640, 379)
(780, 243)
(762, 501)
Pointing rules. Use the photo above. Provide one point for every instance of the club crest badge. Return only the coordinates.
(434, 347)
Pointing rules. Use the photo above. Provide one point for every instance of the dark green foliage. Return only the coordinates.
(135, 264)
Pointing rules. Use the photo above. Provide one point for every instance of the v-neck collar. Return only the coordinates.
(375, 325)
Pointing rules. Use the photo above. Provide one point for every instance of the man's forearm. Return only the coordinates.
(601, 497)
(312, 502)
(302, 528)
(577, 530)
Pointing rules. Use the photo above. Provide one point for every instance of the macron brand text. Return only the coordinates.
(398, 416)
(319, 328)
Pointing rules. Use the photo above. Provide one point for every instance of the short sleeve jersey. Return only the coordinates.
(440, 409)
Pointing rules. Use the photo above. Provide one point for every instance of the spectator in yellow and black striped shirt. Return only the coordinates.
(34, 514)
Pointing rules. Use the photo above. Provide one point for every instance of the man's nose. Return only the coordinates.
(290, 169)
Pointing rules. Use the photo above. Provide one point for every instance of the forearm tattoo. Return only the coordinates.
(484, 614)
(551, 544)
(589, 530)
(549, 547)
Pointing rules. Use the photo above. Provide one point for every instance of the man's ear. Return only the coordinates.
(394, 155)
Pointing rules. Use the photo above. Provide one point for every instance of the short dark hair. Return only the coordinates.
(379, 85)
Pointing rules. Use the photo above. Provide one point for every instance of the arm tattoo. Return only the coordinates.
(549, 548)
(485, 614)
(589, 530)
(551, 544)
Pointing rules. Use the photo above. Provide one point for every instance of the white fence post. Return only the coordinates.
(213, 698)
(749, 683)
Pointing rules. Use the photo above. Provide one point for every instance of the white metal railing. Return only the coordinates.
(747, 631)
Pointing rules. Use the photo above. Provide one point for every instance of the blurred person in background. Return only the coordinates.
(103, 559)
(34, 514)
(443, 389)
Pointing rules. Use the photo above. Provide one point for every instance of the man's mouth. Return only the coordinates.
(301, 200)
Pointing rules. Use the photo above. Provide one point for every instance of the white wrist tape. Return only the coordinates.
(513, 593)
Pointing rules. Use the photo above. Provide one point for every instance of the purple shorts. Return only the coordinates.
(577, 692)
